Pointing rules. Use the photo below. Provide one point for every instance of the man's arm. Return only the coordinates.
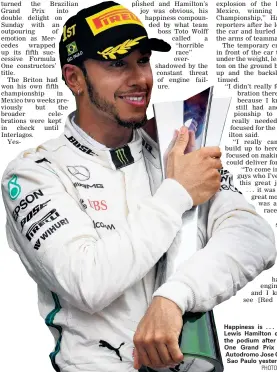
(240, 246)
(73, 262)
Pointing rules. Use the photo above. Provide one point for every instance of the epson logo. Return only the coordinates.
(32, 213)
(80, 147)
(24, 202)
(49, 217)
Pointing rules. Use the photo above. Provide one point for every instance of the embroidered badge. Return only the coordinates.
(122, 48)
(71, 48)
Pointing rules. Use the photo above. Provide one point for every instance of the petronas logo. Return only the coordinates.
(14, 188)
(120, 153)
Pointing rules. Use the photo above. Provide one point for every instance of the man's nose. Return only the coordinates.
(136, 76)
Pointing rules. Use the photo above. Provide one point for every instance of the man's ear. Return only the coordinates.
(73, 77)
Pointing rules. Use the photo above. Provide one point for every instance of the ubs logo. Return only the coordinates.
(98, 205)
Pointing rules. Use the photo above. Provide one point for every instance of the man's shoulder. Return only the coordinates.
(30, 159)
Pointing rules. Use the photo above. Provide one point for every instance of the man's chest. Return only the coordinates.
(107, 196)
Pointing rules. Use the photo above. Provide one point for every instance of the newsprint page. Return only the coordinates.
(231, 45)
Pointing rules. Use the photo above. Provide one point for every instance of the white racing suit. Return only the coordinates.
(89, 226)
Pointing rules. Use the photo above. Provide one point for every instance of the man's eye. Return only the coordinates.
(118, 63)
(144, 60)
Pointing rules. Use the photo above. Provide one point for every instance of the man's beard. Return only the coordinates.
(109, 108)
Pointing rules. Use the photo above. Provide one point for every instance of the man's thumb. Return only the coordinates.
(182, 139)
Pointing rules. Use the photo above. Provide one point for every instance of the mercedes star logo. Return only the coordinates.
(79, 172)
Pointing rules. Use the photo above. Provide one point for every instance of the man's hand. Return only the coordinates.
(156, 338)
(196, 171)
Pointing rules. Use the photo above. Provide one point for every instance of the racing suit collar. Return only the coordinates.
(112, 158)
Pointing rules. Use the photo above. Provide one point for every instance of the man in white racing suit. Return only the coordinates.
(89, 214)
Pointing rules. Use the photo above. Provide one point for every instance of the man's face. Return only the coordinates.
(120, 90)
